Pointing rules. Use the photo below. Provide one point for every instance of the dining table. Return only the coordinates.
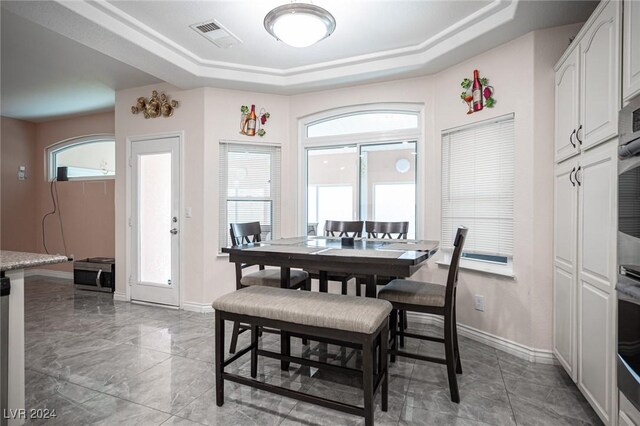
(362, 257)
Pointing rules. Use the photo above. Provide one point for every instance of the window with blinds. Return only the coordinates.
(249, 178)
(478, 188)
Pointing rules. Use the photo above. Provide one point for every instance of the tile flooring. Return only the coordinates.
(96, 361)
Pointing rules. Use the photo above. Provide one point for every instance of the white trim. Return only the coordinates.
(202, 308)
(121, 297)
(541, 356)
(48, 273)
(484, 267)
(76, 140)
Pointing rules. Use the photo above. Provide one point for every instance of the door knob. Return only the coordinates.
(174, 231)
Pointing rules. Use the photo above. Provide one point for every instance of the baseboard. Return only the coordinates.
(203, 308)
(48, 273)
(541, 356)
(121, 297)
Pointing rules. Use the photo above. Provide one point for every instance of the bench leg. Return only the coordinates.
(285, 349)
(385, 368)
(219, 352)
(323, 282)
(401, 328)
(254, 351)
(345, 284)
(307, 287)
(367, 380)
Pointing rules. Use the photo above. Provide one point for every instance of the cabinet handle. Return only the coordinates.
(570, 177)
(576, 176)
(578, 137)
(571, 138)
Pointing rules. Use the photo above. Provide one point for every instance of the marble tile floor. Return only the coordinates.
(97, 361)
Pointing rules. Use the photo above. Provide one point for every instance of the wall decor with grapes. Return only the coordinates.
(477, 93)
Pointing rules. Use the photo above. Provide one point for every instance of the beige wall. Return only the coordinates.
(18, 215)
(87, 207)
(521, 72)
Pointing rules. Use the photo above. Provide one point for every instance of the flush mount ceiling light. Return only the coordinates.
(299, 24)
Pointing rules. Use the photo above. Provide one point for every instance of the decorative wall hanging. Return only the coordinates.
(252, 124)
(155, 106)
(477, 93)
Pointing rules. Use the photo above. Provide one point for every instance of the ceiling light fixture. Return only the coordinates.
(299, 24)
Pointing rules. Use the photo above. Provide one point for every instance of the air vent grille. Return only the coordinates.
(216, 33)
(209, 26)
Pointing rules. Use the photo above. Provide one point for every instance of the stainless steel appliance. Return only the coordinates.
(5, 289)
(95, 273)
(628, 286)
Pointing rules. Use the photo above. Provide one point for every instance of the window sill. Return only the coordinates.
(487, 268)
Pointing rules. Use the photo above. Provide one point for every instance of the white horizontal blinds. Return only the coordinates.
(249, 188)
(478, 186)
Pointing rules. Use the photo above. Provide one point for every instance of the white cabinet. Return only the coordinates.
(565, 267)
(567, 107)
(588, 85)
(584, 273)
(599, 78)
(631, 50)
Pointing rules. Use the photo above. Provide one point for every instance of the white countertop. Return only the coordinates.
(10, 260)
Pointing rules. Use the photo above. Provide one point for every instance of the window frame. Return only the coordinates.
(51, 167)
(491, 267)
(358, 140)
(275, 199)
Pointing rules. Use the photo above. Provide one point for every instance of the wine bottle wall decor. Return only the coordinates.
(477, 93)
(252, 123)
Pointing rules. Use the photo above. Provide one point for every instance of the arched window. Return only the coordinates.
(86, 157)
(361, 163)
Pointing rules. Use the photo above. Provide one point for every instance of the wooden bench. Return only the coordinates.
(363, 322)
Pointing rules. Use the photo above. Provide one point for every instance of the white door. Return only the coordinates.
(600, 78)
(155, 220)
(567, 104)
(631, 50)
(565, 290)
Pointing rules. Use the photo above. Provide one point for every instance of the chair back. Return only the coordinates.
(339, 228)
(452, 278)
(385, 229)
(245, 233)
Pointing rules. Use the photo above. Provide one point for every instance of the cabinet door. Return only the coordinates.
(564, 269)
(631, 50)
(597, 227)
(599, 78)
(597, 199)
(567, 104)
(596, 349)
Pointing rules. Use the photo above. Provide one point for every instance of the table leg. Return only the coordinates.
(285, 339)
(371, 286)
(324, 282)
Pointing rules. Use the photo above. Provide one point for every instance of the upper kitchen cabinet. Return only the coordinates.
(600, 81)
(567, 107)
(631, 50)
(588, 84)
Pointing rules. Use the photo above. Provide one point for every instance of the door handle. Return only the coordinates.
(577, 135)
(174, 231)
(576, 176)
(571, 138)
(98, 281)
(570, 176)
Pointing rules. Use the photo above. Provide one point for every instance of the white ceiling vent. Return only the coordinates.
(213, 31)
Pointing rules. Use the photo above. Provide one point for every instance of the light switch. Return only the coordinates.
(187, 212)
(22, 172)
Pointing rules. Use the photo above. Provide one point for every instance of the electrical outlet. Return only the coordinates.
(479, 303)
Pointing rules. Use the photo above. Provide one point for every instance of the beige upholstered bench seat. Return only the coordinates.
(346, 313)
(271, 278)
(413, 293)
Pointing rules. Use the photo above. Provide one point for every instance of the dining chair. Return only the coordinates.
(435, 299)
(339, 228)
(386, 229)
(251, 232)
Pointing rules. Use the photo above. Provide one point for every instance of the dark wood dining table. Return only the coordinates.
(368, 257)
